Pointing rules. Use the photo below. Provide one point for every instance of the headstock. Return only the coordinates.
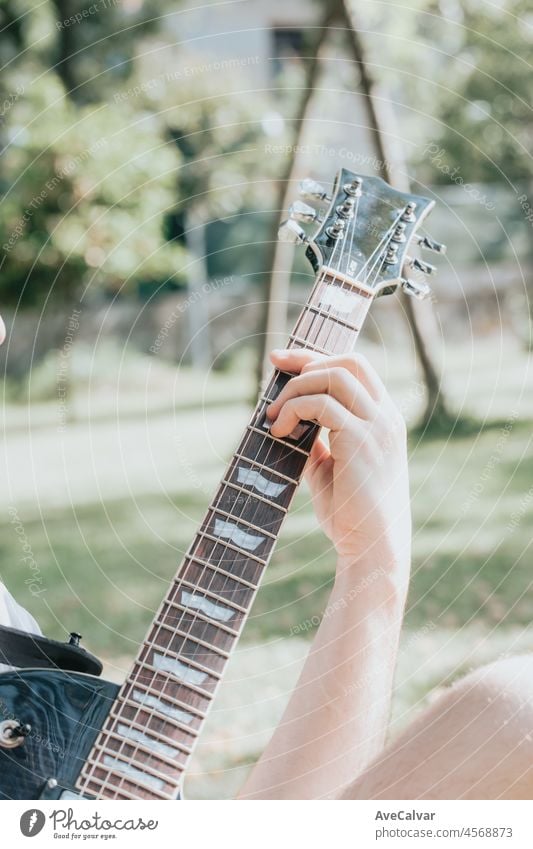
(365, 233)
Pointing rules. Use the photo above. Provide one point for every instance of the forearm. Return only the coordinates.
(336, 719)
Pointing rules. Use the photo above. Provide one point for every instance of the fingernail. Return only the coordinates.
(279, 352)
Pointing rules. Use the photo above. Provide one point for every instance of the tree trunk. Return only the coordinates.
(66, 48)
(383, 134)
(274, 317)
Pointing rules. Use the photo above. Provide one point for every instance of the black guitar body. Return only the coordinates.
(66, 711)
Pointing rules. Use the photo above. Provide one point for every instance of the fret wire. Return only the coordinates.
(338, 345)
(202, 562)
(210, 594)
(137, 782)
(116, 715)
(111, 772)
(142, 747)
(364, 303)
(124, 795)
(189, 621)
(193, 639)
(359, 288)
(330, 317)
(254, 495)
(309, 346)
(242, 521)
(268, 435)
(176, 655)
(202, 617)
(151, 691)
(240, 456)
(168, 677)
(231, 546)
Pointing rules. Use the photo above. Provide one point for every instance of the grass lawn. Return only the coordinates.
(108, 507)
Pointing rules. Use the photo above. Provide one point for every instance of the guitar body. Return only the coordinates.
(66, 711)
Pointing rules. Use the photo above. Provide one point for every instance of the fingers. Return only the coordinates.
(299, 360)
(319, 453)
(358, 366)
(323, 409)
(337, 382)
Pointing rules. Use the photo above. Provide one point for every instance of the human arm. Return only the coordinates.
(336, 720)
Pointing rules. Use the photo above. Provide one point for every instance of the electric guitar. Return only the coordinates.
(65, 732)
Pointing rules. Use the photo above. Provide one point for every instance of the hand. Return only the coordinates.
(359, 484)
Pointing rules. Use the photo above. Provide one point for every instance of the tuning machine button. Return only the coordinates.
(311, 190)
(419, 265)
(290, 231)
(336, 230)
(418, 289)
(353, 188)
(409, 212)
(300, 211)
(430, 244)
(399, 232)
(391, 256)
(347, 209)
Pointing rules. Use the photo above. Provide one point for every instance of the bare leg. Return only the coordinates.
(474, 742)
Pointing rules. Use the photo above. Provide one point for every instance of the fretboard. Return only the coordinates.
(147, 739)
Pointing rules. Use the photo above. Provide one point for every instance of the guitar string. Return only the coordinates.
(189, 554)
(250, 495)
(240, 516)
(216, 502)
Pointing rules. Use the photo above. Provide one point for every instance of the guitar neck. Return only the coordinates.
(147, 739)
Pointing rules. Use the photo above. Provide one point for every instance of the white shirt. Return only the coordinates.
(13, 615)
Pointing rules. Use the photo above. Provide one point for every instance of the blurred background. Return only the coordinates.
(148, 152)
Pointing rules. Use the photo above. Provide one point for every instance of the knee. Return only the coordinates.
(510, 678)
(474, 742)
(500, 696)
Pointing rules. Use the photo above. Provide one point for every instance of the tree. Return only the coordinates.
(484, 112)
(110, 144)
(436, 409)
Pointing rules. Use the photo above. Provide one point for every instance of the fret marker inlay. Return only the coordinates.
(249, 477)
(146, 700)
(340, 299)
(178, 669)
(204, 605)
(227, 530)
(138, 737)
(133, 773)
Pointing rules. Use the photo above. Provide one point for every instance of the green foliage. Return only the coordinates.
(484, 97)
(84, 187)
(86, 203)
(106, 139)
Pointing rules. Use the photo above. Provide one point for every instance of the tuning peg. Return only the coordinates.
(290, 231)
(419, 265)
(300, 211)
(311, 190)
(430, 244)
(416, 288)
